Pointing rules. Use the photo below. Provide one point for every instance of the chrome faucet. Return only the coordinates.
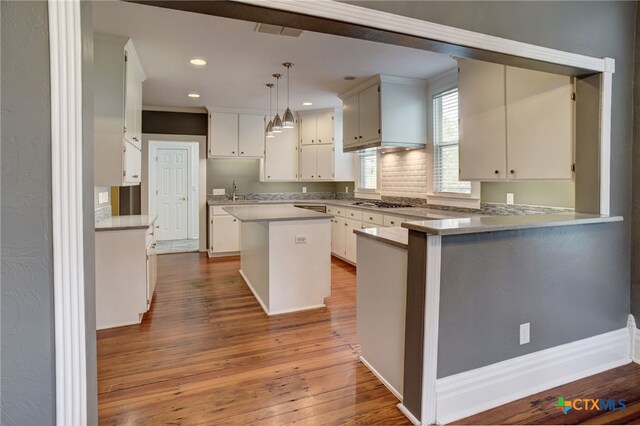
(235, 190)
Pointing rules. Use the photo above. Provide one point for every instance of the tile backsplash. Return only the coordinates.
(404, 174)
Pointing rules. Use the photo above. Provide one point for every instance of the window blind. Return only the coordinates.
(445, 144)
(368, 170)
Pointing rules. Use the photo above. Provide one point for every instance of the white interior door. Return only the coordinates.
(173, 177)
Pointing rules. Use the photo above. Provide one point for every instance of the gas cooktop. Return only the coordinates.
(380, 204)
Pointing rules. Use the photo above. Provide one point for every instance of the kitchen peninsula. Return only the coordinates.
(285, 256)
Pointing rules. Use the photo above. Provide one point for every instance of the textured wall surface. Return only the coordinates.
(598, 29)
(564, 284)
(404, 174)
(27, 345)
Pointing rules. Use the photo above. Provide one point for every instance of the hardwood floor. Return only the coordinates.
(207, 354)
(619, 383)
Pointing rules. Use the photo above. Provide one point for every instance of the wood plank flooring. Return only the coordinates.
(207, 354)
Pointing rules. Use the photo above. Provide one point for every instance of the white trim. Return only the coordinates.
(381, 78)
(283, 311)
(634, 339)
(431, 319)
(474, 391)
(65, 45)
(408, 414)
(384, 381)
(197, 110)
(605, 139)
(237, 111)
(416, 27)
(193, 181)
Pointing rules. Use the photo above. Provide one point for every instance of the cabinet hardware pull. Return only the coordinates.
(268, 177)
(360, 137)
(233, 152)
(311, 140)
(355, 138)
(513, 172)
(135, 176)
(319, 140)
(242, 152)
(393, 223)
(496, 172)
(346, 224)
(234, 220)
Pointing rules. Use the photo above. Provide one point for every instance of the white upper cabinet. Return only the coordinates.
(118, 78)
(515, 124)
(236, 135)
(251, 135)
(223, 134)
(324, 161)
(308, 163)
(324, 127)
(385, 112)
(316, 128)
(281, 157)
(308, 129)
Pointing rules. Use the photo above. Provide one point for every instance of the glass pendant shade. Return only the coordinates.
(277, 124)
(269, 130)
(287, 119)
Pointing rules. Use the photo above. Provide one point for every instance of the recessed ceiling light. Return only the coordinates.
(307, 103)
(198, 62)
(194, 95)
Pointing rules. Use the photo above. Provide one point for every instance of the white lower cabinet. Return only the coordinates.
(350, 239)
(224, 232)
(338, 233)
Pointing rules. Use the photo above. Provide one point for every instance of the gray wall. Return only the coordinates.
(28, 370)
(596, 29)
(635, 238)
(545, 193)
(564, 284)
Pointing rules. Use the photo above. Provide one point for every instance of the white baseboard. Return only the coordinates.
(255, 293)
(408, 414)
(283, 311)
(634, 334)
(382, 379)
(472, 392)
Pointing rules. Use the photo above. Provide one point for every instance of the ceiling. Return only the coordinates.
(241, 61)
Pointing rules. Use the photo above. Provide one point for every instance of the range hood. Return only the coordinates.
(385, 112)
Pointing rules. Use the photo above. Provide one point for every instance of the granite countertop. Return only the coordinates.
(416, 212)
(262, 213)
(118, 223)
(478, 224)
(396, 236)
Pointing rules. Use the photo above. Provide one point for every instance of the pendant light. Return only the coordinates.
(269, 130)
(277, 122)
(287, 119)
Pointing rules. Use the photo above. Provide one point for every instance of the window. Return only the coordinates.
(445, 144)
(368, 170)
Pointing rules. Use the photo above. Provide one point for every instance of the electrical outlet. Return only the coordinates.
(301, 239)
(509, 197)
(304, 189)
(346, 189)
(218, 191)
(525, 336)
(103, 197)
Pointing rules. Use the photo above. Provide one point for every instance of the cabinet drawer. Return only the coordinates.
(393, 220)
(353, 214)
(374, 218)
(340, 211)
(331, 210)
(218, 211)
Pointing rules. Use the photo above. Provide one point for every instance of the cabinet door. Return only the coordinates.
(251, 135)
(226, 234)
(281, 157)
(308, 129)
(137, 112)
(482, 118)
(369, 115)
(350, 239)
(223, 134)
(210, 243)
(324, 126)
(131, 164)
(308, 162)
(338, 233)
(130, 79)
(350, 120)
(539, 125)
(324, 162)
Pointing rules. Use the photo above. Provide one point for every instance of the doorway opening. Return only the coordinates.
(173, 194)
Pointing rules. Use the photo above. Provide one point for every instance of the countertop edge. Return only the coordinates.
(509, 227)
(325, 216)
(126, 228)
(389, 241)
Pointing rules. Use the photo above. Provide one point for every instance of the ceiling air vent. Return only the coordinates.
(277, 30)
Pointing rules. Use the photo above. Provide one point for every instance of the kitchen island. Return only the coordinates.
(285, 256)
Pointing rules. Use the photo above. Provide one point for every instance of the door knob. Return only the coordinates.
(183, 198)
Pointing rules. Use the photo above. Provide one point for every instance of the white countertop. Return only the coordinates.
(118, 223)
(262, 213)
(474, 225)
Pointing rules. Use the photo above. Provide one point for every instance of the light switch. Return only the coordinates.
(509, 197)
(304, 189)
(103, 197)
(218, 191)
